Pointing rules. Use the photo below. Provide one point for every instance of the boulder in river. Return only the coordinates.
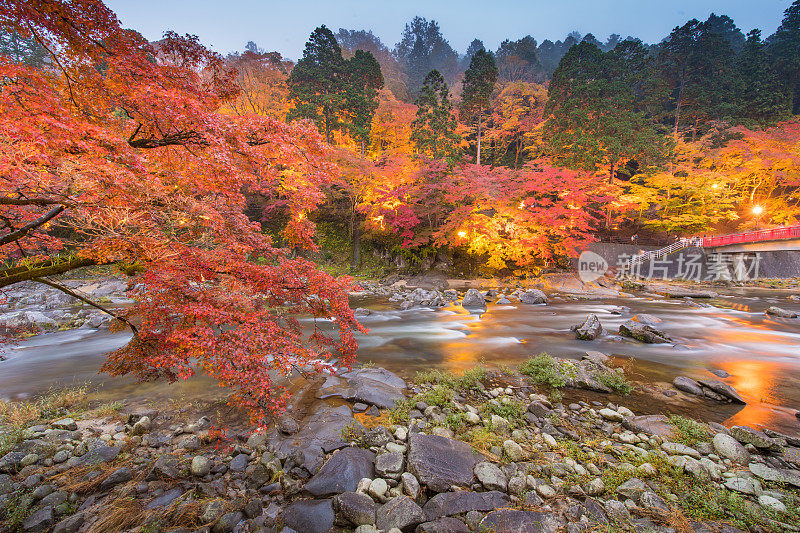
(781, 313)
(643, 328)
(689, 385)
(533, 296)
(723, 389)
(474, 300)
(589, 329)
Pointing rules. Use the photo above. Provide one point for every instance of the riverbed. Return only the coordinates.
(729, 333)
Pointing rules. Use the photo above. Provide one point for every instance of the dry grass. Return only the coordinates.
(121, 514)
(50, 405)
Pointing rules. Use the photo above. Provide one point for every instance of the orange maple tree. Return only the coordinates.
(117, 154)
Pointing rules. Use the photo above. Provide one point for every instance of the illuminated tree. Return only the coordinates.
(119, 156)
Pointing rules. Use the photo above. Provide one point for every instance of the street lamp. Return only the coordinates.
(757, 210)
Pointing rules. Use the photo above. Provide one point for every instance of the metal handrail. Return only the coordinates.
(776, 234)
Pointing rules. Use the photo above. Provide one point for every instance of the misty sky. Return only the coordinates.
(284, 26)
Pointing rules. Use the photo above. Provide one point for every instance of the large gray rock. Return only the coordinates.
(490, 476)
(321, 430)
(633, 489)
(473, 299)
(342, 472)
(355, 507)
(589, 329)
(644, 328)
(454, 503)
(400, 512)
(443, 525)
(723, 389)
(39, 522)
(513, 521)
(533, 296)
(374, 386)
(689, 385)
(781, 313)
(776, 475)
(729, 448)
(759, 439)
(310, 516)
(439, 462)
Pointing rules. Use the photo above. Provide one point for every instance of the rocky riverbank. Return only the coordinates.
(367, 451)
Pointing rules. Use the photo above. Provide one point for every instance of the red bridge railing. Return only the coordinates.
(776, 234)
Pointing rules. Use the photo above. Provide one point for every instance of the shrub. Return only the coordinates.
(545, 369)
(688, 431)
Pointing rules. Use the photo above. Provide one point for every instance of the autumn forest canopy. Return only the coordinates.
(227, 187)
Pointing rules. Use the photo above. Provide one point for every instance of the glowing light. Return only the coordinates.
(715, 185)
(462, 233)
(301, 216)
(757, 210)
(521, 205)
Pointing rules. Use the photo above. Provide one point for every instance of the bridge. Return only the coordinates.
(766, 240)
(749, 242)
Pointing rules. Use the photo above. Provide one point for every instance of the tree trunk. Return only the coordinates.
(480, 119)
(680, 101)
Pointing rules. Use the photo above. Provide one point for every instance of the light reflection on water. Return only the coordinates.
(761, 353)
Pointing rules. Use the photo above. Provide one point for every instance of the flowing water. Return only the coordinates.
(729, 333)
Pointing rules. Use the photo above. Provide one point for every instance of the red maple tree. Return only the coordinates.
(116, 153)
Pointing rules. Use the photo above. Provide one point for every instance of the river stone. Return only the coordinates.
(490, 476)
(740, 484)
(650, 424)
(70, 524)
(454, 503)
(645, 332)
(67, 424)
(165, 499)
(39, 522)
(355, 507)
(11, 462)
(389, 464)
(774, 504)
(676, 448)
(652, 501)
(633, 489)
(443, 525)
(473, 299)
(759, 439)
(239, 463)
(513, 521)
(142, 426)
(533, 296)
(689, 385)
(121, 475)
(729, 448)
(310, 516)
(342, 472)
(513, 450)
(164, 467)
(439, 462)
(611, 415)
(201, 466)
(589, 329)
(781, 313)
(374, 386)
(400, 512)
(720, 387)
(766, 473)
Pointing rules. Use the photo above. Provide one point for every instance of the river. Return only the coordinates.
(729, 333)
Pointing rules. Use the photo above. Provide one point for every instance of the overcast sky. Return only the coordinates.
(284, 26)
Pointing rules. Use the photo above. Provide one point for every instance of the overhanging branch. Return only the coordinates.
(24, 230)
(48, 267)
